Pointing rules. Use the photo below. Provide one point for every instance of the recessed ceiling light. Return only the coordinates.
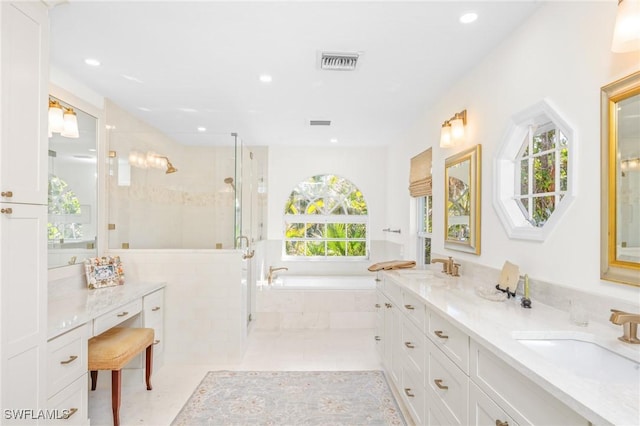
(92, 62)
(333, 140)
(144, 109)
(266, 78)
(467, 18)
(188, 110)
(92, 150)
(202, 129)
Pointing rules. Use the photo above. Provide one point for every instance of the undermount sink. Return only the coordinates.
(586, 359)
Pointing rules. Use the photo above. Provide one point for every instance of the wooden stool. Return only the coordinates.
(112, 350)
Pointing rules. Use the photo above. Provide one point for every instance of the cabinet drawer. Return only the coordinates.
(523, 400)
(66, 358)
(414, 346)
(70, 404)
(450, 340)
(413, 394)
(153, 308)
(484, 412)
(115, 317)
(414, 308)
(448, 386)
(393, 291)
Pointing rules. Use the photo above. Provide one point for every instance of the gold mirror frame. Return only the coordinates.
(462, 200)
(613, 266)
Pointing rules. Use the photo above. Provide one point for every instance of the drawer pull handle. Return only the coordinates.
(8, 210)
(378, 280)
(440, 334)
(501, 423)
(407, 391)
(378, 338)
(7, 194)
(71, 412)
(155, 342)
(155, 308)
(123, 314)
(377, 305)
(439, 384)
(70, 360)
(409, 345)
(409, 307)
(388, 305)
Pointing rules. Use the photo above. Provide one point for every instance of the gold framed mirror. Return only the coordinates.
(620, 186)
(462, 201)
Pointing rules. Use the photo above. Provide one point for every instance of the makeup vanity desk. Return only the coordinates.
(76, 315)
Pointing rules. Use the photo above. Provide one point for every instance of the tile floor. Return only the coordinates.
(337, 349)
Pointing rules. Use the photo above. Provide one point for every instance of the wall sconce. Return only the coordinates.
(626, 32)
(630, 164)
(62, 120)
(453, 129)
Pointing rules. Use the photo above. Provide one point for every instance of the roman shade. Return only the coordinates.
(420, 175)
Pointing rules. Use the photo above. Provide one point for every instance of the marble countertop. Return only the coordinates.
(495, 325)
(70, 308)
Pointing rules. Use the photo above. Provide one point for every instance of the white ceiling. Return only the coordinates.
(191, 64)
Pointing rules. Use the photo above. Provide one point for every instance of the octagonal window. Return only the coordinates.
(534, 172)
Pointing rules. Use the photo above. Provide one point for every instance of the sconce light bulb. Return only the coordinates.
(70, 127)
(626, 32)
(56, 120)
(445, 135)
(457, 129)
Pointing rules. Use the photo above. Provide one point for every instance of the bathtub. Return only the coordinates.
(324, 282)
(316, 302)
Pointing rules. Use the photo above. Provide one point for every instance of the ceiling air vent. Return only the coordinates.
(320, 122)
(339, 61)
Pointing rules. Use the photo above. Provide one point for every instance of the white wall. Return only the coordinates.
(561, 53)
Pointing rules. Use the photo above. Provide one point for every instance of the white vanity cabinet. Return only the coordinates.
(24, 57)
(153, 317)
(447, 378)
(67, 384)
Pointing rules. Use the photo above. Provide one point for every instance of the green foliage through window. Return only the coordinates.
(326, 217)
(543, 177)
(62, 203)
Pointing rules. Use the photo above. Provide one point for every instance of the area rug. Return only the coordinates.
(291, 398)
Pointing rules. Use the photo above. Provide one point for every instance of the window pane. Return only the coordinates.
(316, 207)
(427, 251)
(542, 209)
(296, 204)
(429, 214)
(295, 230)
(564, 142)
(564, 160)
(315, 230)
(356, 230)
(544, 140)
(524, 177)
(458, 232)
(336, 230)
(336, 248)
(315, 248)
(544, 173)
(357, 248)
(295, 248)
(356, 203)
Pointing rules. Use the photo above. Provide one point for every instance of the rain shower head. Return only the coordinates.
(229, 181)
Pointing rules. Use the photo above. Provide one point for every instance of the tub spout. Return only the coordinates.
(272, 275)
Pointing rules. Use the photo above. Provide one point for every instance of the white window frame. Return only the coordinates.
(326, 219)
(507, 172)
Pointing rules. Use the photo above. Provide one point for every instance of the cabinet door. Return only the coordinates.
(24, 57)
(153, 317)
(23, 305)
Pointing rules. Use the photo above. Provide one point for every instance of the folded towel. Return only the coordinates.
(392, 264)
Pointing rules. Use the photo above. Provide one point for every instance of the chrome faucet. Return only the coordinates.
(271, 274)
(629, 323)
(240, 238)
(449, 267)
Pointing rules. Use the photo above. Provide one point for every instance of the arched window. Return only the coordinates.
(326, 217)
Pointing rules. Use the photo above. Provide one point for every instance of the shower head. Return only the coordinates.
(229, 181)
(170, 168)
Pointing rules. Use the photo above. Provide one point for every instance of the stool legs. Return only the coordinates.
(149, 365)
(94, 379)
(116, 384)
